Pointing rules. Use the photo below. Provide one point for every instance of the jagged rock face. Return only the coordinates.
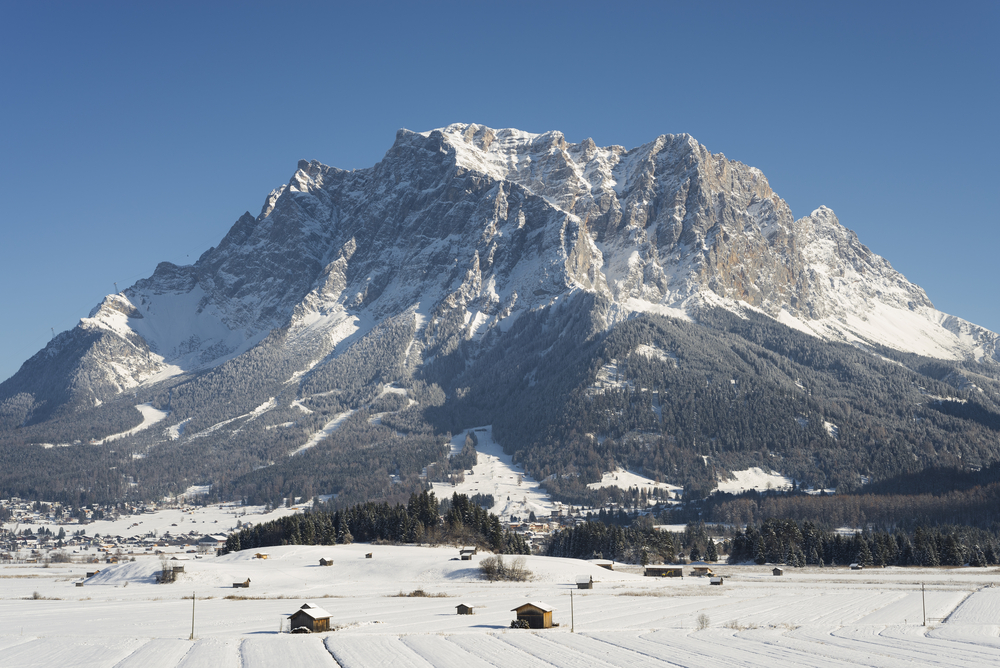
(471, 227)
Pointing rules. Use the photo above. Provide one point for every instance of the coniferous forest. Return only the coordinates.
(781, 541)
(417, 522)
(679, 402)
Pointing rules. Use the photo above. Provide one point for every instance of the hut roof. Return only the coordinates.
(312, 611)
(543, 607)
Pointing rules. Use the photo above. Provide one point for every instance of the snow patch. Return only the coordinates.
(627, 479)
(150, 416)
(754, 478)
(327, 429)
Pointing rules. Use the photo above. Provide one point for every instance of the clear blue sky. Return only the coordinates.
(135, 132)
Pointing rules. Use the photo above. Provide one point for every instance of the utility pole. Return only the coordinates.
(572, 617)
(923, 602)
(192, 616)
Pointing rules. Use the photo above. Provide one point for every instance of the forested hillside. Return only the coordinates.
(681, 402)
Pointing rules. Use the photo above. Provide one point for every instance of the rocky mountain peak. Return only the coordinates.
(470, 227)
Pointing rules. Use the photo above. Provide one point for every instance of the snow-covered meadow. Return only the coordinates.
(815, 616)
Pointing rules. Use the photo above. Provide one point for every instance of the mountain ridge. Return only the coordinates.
(450, 248)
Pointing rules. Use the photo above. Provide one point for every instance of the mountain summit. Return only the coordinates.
(407, 277)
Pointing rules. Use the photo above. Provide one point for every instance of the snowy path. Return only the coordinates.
(166, 652)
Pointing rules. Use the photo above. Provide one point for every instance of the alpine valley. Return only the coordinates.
(657, 309)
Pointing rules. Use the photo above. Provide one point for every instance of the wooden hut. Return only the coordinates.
(777, 571)
(326, 562)
(701, 569)
(663, 572)
(309, 616)
(464, 609)
(466, 553)
(715, 580)
(368, 555)
(584, 582)
(538, 615)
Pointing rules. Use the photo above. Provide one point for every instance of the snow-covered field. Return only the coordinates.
(200, 520)
(754, 478)
(813, 617)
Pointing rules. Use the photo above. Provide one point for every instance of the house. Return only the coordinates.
(584, 582)
(260, 555)
(604, 563)
(466, 553)
(212, 542)
(716, 580)
(311, 617)
(664, 572)
(368, 555)
(777, 571)
(464, 609)
(326, 562)
(857, 567)
(538, 615)
(244, 585)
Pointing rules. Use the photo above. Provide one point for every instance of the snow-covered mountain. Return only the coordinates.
(475, 226)
(455, 236)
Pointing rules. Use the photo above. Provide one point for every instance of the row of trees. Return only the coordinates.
(634, 544)
(786, 542)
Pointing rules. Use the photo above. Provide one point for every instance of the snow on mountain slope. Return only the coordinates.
(471, 227)
(657, 241)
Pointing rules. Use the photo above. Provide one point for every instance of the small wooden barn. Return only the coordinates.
(777, 571)
(538, 615)
(326, 562)
(715, 580)
(663, 572)
(464, 609)
(466, 553)
(368, 555)
(604, 563)
(309, 616)
(700, 568)
(584, 581)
